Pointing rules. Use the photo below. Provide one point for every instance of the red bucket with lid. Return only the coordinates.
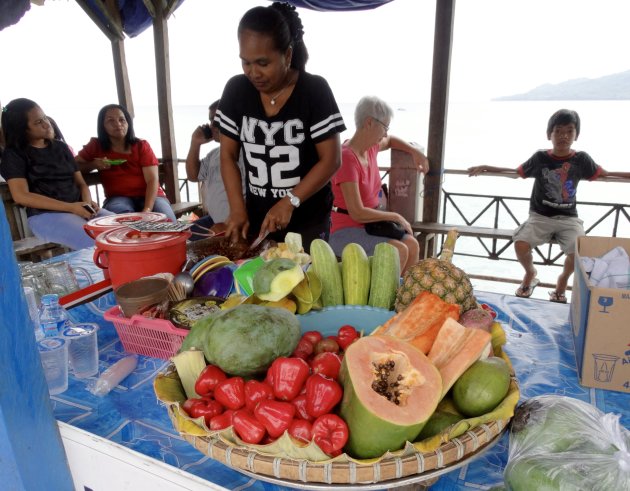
(97, 226)
(129, 254)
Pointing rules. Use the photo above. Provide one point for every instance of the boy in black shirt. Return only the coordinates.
(552, 206)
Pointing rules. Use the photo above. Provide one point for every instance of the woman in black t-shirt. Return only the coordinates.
(42, 176)
(286, 122)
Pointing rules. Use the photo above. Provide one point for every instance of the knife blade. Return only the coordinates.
(258, 240)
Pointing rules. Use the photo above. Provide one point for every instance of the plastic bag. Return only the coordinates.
(560, 443)
(115, 374)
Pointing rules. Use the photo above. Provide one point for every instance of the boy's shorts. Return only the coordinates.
(539, 229)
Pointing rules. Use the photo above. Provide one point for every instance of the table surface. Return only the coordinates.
(539, 343)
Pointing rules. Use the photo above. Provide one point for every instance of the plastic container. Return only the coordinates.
(83, 349)
(157, 338)
(53, 352)
(97, 226)
(130, 255)
(137, 295)
(53, 318)
(114, 375)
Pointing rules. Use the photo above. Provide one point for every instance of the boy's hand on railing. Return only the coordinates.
(476, 170)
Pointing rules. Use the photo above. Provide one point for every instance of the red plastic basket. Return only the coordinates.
(158, 338)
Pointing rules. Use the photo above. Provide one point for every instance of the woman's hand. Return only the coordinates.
(102, 164)
(278, 217)
(405, 224)
(237, 226)
(420, 160)
(80, 208)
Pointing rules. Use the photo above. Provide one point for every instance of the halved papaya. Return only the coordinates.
(390, 391)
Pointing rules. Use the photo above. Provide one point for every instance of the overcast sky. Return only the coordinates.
(501, 47)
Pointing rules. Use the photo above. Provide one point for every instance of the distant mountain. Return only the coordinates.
(610, 87)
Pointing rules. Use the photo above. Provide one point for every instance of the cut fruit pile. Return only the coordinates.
(428, 374)
(390, 387)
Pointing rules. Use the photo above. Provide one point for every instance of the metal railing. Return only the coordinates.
(606, 219)
(498, 212)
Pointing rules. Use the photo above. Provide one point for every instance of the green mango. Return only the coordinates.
(276, 279)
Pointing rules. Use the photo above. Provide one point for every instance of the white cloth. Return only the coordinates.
(612, 270)
(213, 193)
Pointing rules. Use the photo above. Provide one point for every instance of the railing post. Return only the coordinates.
(404, 186)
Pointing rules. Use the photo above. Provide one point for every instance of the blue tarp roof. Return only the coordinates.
(136, 18)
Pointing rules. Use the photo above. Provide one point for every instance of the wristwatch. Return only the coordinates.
(293, 199)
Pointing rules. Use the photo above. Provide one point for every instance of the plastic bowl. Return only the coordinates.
(328, 320)
(138, 295)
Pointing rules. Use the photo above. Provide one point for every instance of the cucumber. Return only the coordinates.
(385, 277)
(355, 274)
(325, 266)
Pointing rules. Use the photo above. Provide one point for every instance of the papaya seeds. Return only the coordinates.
(382, 418)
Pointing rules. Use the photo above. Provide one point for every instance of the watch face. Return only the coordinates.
(294, 200)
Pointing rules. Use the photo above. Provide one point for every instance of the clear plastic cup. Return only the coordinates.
(83, 349)
(53, 352)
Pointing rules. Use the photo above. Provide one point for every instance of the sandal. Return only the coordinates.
(556, 297)
(525, 291)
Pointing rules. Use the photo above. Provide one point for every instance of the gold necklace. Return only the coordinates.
(273, 99)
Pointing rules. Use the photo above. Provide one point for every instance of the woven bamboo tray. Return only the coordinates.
(307, 475)
(409, 466)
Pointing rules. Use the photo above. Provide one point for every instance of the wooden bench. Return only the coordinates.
(186, 207)
(428, 231)
(36, 249)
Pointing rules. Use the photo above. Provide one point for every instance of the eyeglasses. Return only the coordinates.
(386, 127)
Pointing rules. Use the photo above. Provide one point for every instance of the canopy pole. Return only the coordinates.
(121, 73)
(165, 103)
(442, 44)
(32, 455)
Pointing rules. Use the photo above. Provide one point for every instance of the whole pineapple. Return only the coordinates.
(439, 276)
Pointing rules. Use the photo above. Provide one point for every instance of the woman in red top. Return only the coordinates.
(357, 184)
(127, 165)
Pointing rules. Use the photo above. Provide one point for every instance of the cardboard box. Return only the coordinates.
(600, 318)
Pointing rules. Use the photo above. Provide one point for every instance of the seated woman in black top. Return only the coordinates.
(43, 176)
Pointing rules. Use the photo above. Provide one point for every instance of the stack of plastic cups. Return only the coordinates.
(33, 310)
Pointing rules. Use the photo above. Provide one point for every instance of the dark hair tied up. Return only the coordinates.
(282, 23)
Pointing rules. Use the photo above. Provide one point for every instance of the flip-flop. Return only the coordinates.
(556, 297)
(525, 291)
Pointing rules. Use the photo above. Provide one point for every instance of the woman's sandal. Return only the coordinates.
(556, 297)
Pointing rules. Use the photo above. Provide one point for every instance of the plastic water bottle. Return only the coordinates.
(53, 318)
